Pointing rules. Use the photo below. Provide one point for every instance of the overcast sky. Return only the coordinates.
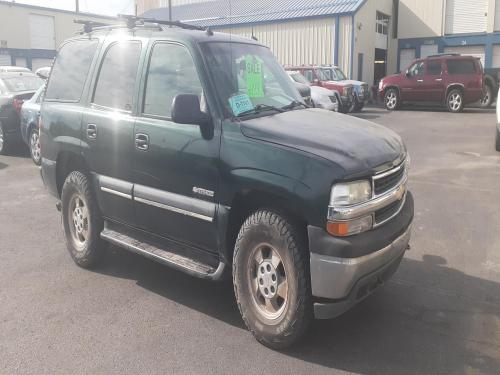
(107, 7)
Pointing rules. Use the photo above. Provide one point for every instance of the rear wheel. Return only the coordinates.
(391, 99)
(34, 144)
(270, 278)
(82, 221)
(487, 98)
(455, 101)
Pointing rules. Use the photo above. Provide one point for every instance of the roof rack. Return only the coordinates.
(132, 22)
(444, 54)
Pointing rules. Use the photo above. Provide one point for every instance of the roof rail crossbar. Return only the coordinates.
(88, 26)
(133, 20)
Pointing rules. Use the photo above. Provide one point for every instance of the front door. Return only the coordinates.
(433, 81)
(108, 129)
(412, 83)
(175, 165)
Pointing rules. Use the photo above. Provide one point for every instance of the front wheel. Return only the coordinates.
(82, 221)
(34, 145)
(455, 101)
(271, 281)
(391, 99)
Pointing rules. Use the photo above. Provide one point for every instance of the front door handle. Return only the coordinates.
(420, 80)
(91, 131)
(142, 141)
(439, 80)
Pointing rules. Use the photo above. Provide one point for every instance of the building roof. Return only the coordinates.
(234, 12)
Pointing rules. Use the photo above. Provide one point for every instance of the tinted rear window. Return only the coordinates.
(23, 83)
(461, 67)
(70, 70)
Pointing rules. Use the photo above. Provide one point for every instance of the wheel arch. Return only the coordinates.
(453, 86)
(67, 162)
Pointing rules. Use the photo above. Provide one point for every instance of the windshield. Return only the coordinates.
(248, 77)
(340, 74)
(23, 83)
(297, 77)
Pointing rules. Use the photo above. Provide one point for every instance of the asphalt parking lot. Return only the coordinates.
(440, 314)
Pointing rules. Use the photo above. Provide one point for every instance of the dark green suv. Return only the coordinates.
(195, 149)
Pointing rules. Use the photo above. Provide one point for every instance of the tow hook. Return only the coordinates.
(59, 206)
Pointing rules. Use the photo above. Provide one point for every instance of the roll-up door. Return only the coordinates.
(42, 32)
(476, 51)
(406, 56)
(466, 16)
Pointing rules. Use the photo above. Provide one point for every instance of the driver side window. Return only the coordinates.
(416, 69)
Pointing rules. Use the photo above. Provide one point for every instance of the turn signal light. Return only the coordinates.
(348, 228)
(337, 228)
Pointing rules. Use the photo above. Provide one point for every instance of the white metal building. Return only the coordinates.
(30, 35)
(449, 26)
(357, 35)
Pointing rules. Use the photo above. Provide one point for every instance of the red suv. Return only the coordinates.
(321, 76)
(453, 80)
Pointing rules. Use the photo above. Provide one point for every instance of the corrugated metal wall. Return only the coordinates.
(466, 16)
(345, 42)
(296, 42)
(144, 5)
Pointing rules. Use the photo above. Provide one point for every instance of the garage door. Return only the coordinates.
(40, 63)
(42, 32)
(466, 16)
(476, 51)
(406, 57)
(21, 61)
(496, 56)
(5, 60)
(428, 50)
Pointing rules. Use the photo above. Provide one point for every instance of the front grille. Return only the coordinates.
(388, 212)
(383, 184)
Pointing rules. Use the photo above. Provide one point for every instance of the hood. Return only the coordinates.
(320, 91)
(337, 83)
(355, 145)
(354, 83)
(391, 77)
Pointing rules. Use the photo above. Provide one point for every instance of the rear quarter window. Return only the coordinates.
(461, 66)
(70, 70)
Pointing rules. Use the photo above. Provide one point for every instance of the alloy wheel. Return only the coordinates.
(267, 278)
(35, 146)
(78, 216)
(455, 101)
(391, 100)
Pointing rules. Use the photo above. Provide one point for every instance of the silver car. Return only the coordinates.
(30, 114)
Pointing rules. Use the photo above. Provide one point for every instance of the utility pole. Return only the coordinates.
(170, 10)
(77, 6)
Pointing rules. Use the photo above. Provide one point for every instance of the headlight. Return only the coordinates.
(381, 84)
(350, 193)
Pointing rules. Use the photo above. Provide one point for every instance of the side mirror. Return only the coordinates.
(407, 73)
(186, 110)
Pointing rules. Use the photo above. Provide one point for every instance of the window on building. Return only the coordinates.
(116, 81)
(171, 72)
(70, 70)
(461, 66)
(434, 68)
(382, 24)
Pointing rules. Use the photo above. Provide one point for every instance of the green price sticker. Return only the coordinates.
(254, 77)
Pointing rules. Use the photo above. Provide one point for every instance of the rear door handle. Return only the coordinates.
(142, 141)
(439, 80)
(420, 80)
(91, 131)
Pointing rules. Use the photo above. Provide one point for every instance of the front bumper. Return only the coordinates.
(346, 270)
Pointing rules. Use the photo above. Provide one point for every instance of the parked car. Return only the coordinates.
(218, 169)
(30, 114)
(448, 79)
(305, 92)
(15, 88)
(321, 97)
(14, 69)
(318, 76)
(361, 92)
(43, 73)
(497, 143)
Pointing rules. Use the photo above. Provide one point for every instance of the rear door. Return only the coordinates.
(433, 85)
(175, 165)
(108, 127)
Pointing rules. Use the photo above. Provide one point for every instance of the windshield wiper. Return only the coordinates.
(260, 108)
(294, 104)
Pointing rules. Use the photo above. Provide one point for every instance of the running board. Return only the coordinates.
(137, 245)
